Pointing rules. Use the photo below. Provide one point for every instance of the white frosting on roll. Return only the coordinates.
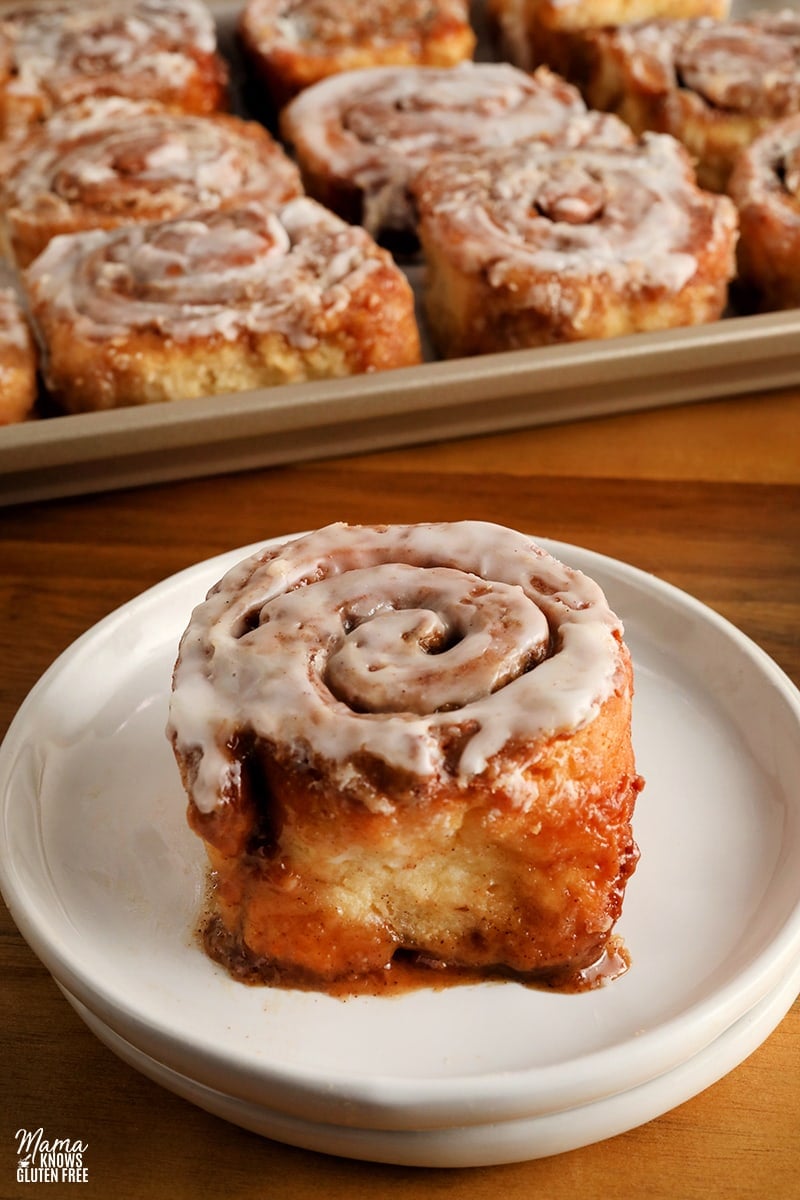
(749, 66)
(631, 215)
(117, 156)
(62, 46)
(235, 269)
(383, 641)
(376, 128)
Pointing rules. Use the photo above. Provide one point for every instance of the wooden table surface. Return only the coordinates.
(706, 496)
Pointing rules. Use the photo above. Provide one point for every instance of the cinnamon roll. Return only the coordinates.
(291, 44)
(361, 137)
(52, 54)
(18, 386)
(240, 298)
(536, 245)
(551, 32)
(715, 85)
(765, 186)
(408, 741)
(111, 161)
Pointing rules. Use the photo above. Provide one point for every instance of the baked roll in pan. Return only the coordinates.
(765, 186)
(238, 299)
(111, 161)
(291, 44)
(52, 54)
(534, 32)
(543, 244)
(361, 137)
(715, 85)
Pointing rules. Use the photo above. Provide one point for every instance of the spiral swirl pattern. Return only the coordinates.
(154, 49)
(632, 215)
(114, 161)
(240, 268)
(749, 66)
(375, 130)
(392, 642)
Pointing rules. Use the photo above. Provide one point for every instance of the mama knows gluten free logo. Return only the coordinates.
(40, 1160)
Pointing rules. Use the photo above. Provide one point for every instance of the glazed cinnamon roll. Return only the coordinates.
(18, 388)
(291, 44)
(56, 53)
(240, 298)
(765, 186)
(111, 161)
(408, 741)
(534, 32)
(715, 85)
(536, 245)
(361, 137)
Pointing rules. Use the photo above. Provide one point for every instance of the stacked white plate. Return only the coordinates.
(105, 881)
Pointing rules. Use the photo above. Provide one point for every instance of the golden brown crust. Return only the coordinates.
(232, 300)
(330, 36)
(765, 186)
(576, 243)
(110, 162)
(465, 878)
(18, 385)
(54, 54)
(714, 85)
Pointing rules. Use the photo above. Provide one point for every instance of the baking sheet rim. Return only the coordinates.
(124, 447)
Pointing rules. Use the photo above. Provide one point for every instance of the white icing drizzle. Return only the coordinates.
(632, 215)
(132, 158)
(60, 49)
(751, 65)
(376, 128)
(381, 640)
(245, 267)
(318, 27)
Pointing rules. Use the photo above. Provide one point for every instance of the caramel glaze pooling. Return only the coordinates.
(396, 655)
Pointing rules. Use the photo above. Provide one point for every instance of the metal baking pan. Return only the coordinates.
(67, 455)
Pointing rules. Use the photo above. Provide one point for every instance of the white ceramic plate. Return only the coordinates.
(104, 880)
(479, 1145)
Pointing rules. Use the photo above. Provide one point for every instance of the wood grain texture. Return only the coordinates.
(706, 497)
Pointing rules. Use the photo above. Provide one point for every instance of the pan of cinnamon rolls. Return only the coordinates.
(579, 172)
